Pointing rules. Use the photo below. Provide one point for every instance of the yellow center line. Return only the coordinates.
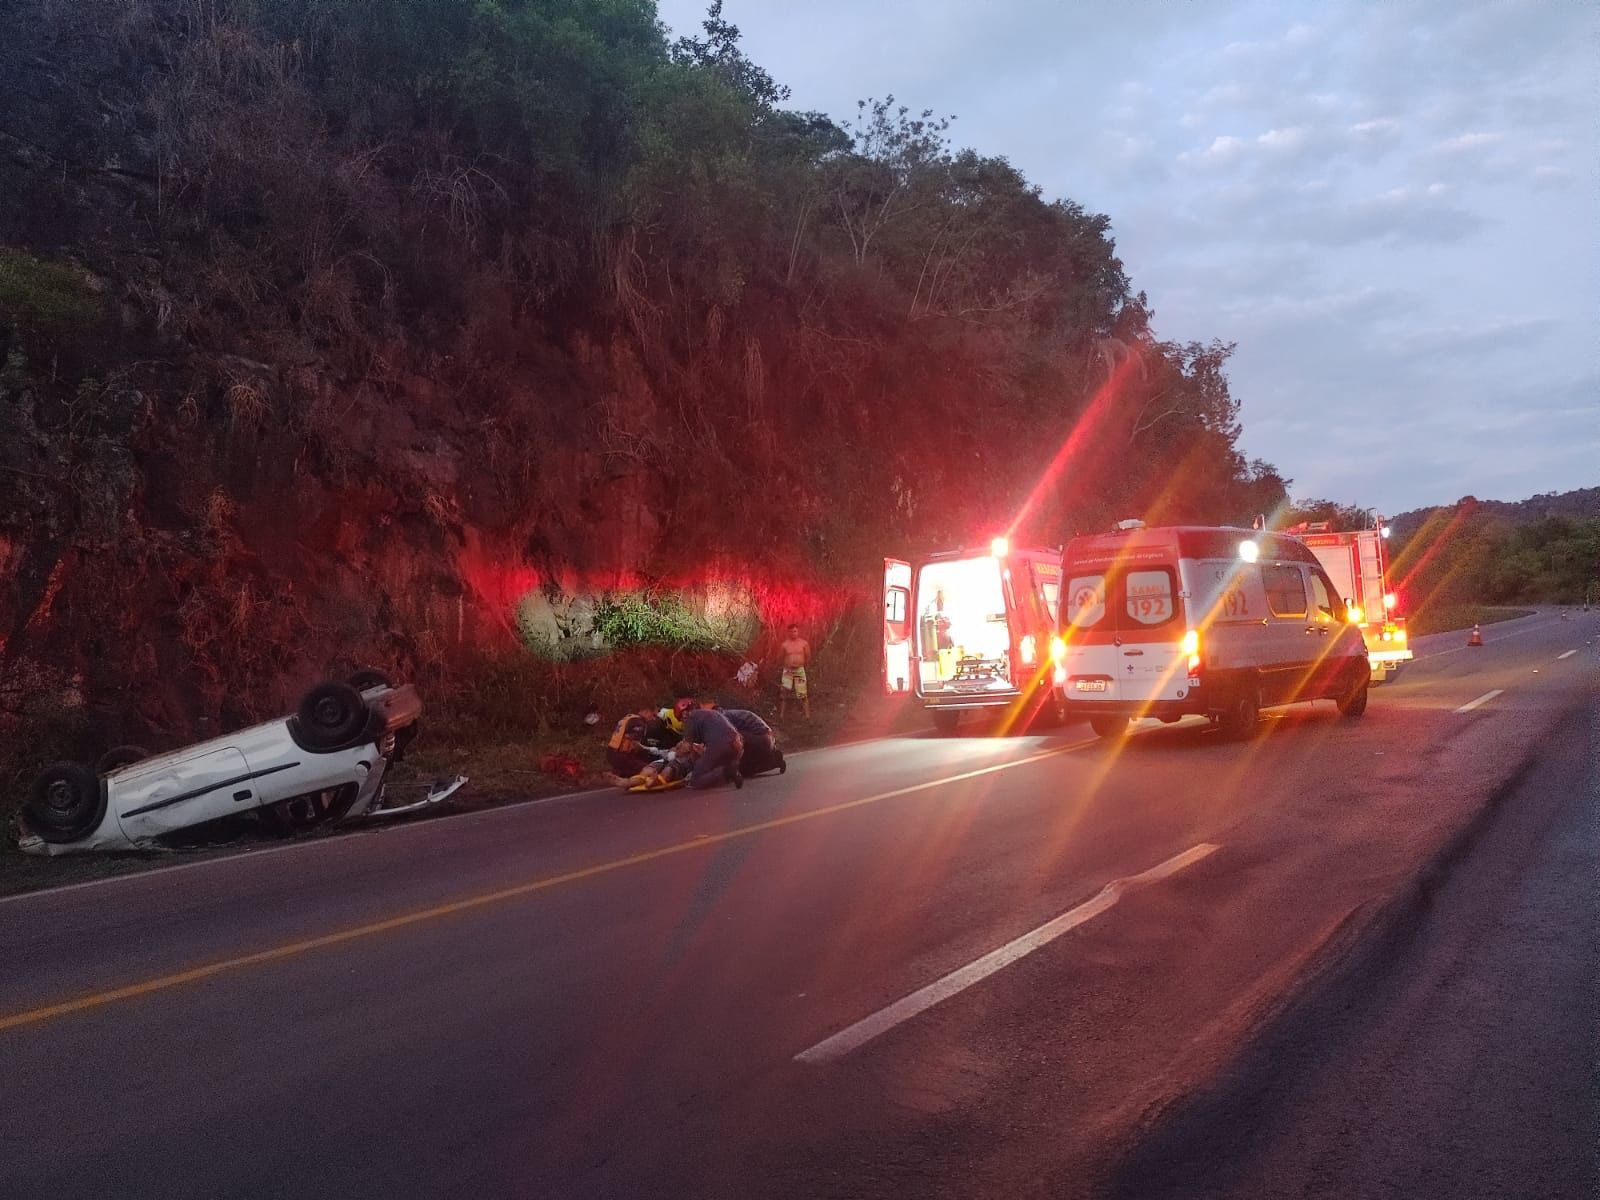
(160, 983)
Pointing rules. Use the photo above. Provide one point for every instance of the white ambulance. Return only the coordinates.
(1207, 621)
(972, 630)
(1356, 564)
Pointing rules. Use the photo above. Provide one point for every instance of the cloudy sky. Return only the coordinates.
(1393, 208)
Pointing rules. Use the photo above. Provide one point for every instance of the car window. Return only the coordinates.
(1323, 599)
(1086, 596)
(1147, 597)
(894, 606)
(1286, 590)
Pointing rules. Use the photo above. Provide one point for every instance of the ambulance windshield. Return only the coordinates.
(963, 637)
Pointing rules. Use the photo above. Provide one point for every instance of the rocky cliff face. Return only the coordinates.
(416, 333)
(211, 493)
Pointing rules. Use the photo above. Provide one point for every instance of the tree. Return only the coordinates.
(893, 169)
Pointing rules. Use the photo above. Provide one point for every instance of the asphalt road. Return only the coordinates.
(911, 967)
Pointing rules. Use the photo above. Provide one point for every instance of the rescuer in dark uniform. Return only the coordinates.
(719, 761)
(761, 751)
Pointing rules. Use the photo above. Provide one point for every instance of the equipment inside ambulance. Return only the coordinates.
(1215, 622)
(1358, 568)
(972, 630)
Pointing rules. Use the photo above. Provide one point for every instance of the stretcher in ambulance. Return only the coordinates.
(973, 629)
(1215, 622)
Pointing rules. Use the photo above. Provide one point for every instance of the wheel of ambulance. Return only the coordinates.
(1355, 703)
(367, 678)
(307, 812)
(65, 803)
(331, 715)
(946, 720)
(1109, 726)
(1240, 718)
(118, 757)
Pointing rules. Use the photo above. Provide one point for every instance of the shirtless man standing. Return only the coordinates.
(796, 656)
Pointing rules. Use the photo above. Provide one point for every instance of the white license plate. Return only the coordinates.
(1090, 685)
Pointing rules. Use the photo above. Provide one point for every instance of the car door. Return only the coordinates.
(1336, 637)
(1292, 648)
(896, 626)
(176, 791)
(1149, 635)
(1088, 630)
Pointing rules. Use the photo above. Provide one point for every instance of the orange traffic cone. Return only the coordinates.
(1477, 637)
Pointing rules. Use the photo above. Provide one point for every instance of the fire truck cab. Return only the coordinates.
(1356, 563)
(973, 629)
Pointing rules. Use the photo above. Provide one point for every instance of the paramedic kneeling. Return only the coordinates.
(719, 762)
(760, 744)
(626, 751)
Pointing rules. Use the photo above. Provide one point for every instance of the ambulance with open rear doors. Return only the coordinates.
(1215, 622)
(973, 630)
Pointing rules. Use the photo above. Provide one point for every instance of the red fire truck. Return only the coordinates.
(1356, 563)
(973, 629)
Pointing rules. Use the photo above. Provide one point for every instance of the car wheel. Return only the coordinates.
(299, 813)
(1355, 703)
(1240, 718)
(332, 715)
(118, 757)
(945, 722)
(65, 803)
(1109, 726)
(367, 678)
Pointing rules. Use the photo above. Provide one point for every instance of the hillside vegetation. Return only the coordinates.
(1540, 551)
(420, 332)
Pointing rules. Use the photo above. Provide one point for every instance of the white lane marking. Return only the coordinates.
(920, 1001)
(1483, 699)
(1568, 654)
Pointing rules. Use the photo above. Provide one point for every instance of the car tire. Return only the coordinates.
(1109, 727)
(945, 722)
(299, 813)
(368, 678)
(118, 757)
(1240, 719)
(1354, 703)
(332, 716)
(65, 803)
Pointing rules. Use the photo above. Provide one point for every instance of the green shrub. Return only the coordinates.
(49, 297)
(645, 618)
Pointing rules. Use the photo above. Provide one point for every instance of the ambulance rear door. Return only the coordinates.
(1150, 632)
(1088, 628)
(896, 626)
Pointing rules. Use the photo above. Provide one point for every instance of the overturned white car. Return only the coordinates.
(325, 763)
